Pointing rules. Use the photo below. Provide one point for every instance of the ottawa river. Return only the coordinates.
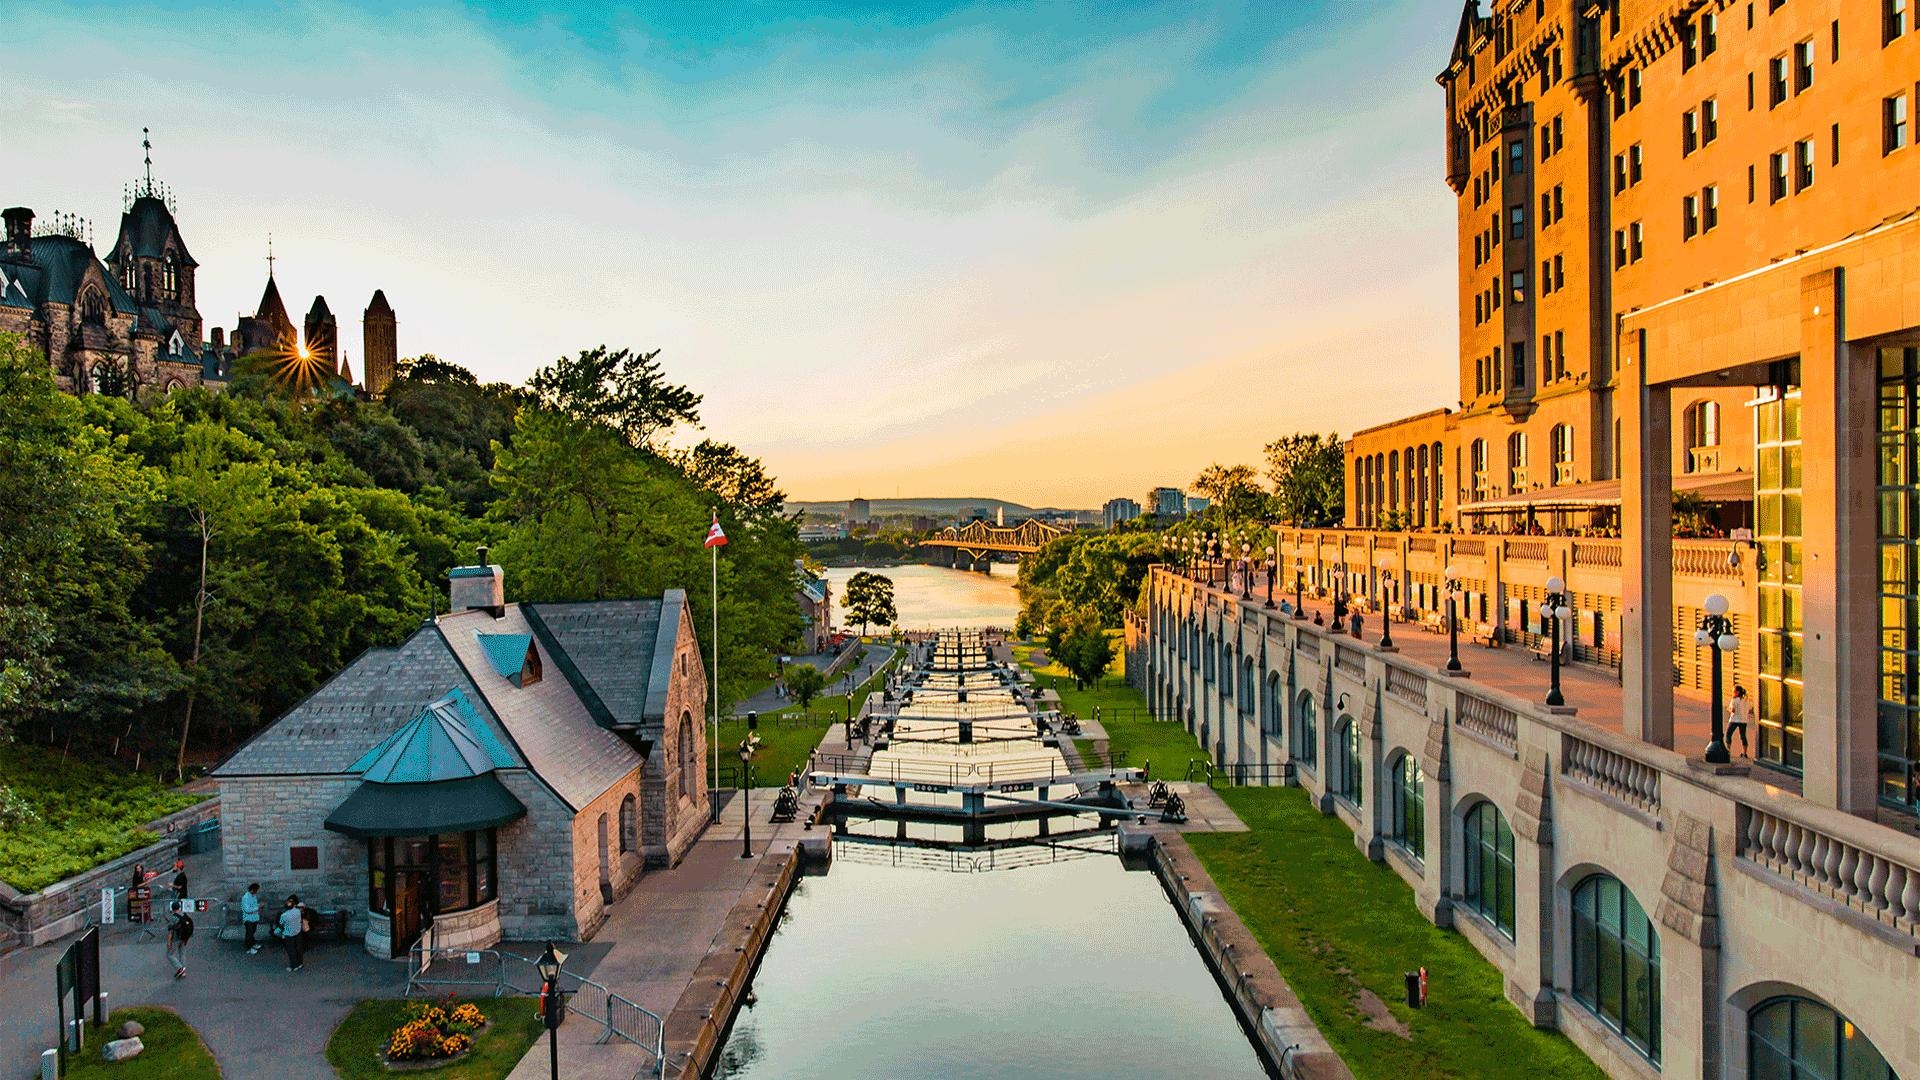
(936, 597)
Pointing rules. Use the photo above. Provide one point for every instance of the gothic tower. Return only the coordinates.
(379, 351)
(151, 262)
(323, 336)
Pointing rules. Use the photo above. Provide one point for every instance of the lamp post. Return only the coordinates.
(1299, 586)
(1213, 554)
(554, 1002)
(1246, 570)
(1386, 608)
(748, 746)
(1716, 631)
(1270, 569)
(1453, 619)
(1553, 610)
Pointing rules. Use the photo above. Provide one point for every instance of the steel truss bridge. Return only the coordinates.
(975, 543)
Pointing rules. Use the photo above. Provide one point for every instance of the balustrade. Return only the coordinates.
(1597, 553)
(1348, 660)
(1469, 548)
(1498, 725)
(1527, 550)
(1408, 686)
(1705, 560)
(1873, 884)
(1616, 774)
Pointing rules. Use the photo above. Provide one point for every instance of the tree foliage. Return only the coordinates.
(868, 599)
(622, 390)
(1233, 491)
(804, 682)
(1100, 573)
(1308, 474)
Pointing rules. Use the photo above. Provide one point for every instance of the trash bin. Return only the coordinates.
(204, 837)
(1413, 989)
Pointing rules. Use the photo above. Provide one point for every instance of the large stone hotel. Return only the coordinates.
(1689, 373)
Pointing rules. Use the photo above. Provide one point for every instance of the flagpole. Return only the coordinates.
(713, 797)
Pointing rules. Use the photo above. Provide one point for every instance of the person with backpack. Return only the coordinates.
(289, 928)
(179, 932)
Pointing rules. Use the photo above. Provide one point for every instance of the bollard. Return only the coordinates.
(50, 1064)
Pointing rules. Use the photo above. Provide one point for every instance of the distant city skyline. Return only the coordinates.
(978, 237)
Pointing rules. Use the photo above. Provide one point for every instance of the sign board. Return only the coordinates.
(140, 904)
(106, 906)
(473, 958)
(1741, 535)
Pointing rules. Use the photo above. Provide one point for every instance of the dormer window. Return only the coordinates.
(512, 656)
(170, 277)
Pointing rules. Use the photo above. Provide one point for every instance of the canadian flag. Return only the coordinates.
(716, 537)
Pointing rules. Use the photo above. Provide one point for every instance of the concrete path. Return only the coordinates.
(261, 1021)
(767, 700)
(659, 933)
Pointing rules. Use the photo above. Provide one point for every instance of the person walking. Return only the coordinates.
(1739, 711)
(179, 879)
(250, 917)
(179, 932)
(289, 930)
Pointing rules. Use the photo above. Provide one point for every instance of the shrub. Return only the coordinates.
(435, 1031)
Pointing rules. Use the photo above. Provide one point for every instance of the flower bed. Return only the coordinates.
(434, 1033)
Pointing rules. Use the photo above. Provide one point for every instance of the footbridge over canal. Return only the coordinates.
(972, 546)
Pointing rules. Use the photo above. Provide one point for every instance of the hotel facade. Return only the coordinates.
(1689, 364)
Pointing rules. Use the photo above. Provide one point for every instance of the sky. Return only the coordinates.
(1046, 252)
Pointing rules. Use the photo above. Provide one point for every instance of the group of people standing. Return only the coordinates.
(290, 926)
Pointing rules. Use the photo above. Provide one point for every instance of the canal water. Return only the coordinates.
(1068, 969)
(936, 597)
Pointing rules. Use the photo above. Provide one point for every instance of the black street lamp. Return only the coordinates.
(1716, 630)
(1552, 612)
(1246, 570)
(553, 1002)
(748, 746)
(1270, 569)
(1299, 586)
(1386, 609)
(1453, 619)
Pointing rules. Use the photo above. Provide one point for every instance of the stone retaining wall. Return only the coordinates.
(696, 1027)
(66, 905)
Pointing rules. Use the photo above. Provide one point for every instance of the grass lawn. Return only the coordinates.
(1122, 713)
(789, 735)
(173, 1050)
(83, 814)
(355, 1046)
(1338, 925)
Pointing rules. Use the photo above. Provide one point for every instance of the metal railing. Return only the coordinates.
(497, 973)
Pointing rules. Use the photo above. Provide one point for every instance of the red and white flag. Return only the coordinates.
(715, 537)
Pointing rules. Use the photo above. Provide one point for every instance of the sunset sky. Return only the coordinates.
(1044, 252)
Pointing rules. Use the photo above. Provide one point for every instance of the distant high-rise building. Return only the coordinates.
(379, 344)
(1196, 503)
(1167, 502)
(1119, 510)
(859, 512)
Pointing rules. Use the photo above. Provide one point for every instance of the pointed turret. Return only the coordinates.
(379, 348)
(322, 333)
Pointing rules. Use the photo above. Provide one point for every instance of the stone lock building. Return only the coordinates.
(509, 770)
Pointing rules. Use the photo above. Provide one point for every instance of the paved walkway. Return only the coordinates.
(768, 700)
(660, 932)
(261, 1021)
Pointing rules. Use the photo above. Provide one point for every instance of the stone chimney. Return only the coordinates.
(479, 586)
(19, 233)
(219, 338)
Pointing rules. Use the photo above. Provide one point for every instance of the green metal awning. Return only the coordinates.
(443, 806)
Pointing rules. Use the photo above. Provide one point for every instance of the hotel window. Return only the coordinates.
(1689, 46)
(1689, 132)
(1802, 165)
(1619, 248)
(1496, 166)
(1494, 288)
(1802, 66)
(1563, 453)
(1518, 282)
(1488, 866)
(1496, 367)
(1633, 242)
(1689, 217)
(1616, 962)
(1749, 91)
(1894, 125)
(1780, 708)
(1777, 176)
(1633, 88)
(1750, 187)
(1709, 207)
(1700, 433)
(1835, 144)
(1546, 209)
(1546, 359)
(1559, 130)
(1516, 157)
(1559, 201)
(1895, 23)
(1834, 56)
(1899, 532)
(1517, 450)
(1559, 273)
(1520, 379)
(1776, 81)
(1517, 222)
(1546, 277)
(1634, 162)
(1493, 227)
(1546, 142)
(1709, 34)
(1709, 121)
(1619, 173)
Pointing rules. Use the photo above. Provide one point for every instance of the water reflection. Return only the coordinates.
(931, 597)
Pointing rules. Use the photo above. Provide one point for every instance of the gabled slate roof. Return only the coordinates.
(146, 226)
(618, 654)
(369, 699)
(59, 266)
(446, 741)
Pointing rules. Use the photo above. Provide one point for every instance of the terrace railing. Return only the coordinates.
(1883, 888)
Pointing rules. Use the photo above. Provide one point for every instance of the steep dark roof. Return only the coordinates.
(379, 304)
(611, 651)
(368, 700)
(271, 306)
(319, 310)
(59, 265)
(146, 226)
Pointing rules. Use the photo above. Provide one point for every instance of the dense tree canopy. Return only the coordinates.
(1309, 481)
(1098, 574)
(195, 563)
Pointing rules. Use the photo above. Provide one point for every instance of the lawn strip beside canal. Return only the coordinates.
(788, 735)
(1123, 713)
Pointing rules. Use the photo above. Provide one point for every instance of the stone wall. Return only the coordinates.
(1752, 891)
(674, 807)
(536, 869)
(67, 905)
(592, 890)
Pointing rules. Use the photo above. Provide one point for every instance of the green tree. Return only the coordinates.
(868, 599)
(736, 478)
(1099, 573)
(1232, 491)
(1308, 474)
(624, 391)
(1086, 652)
(804, 682)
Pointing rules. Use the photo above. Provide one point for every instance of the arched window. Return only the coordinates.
(93, 308)
(1271, 721)
(1408, 824)
(1701, 427)
(1305, 735)
(1489, 866)
(1206, 662)
(1793, 1037)
(1517, 461)
(1563, 454)
(1226, 669)
(1616, 961)
(689, 758)
(629, 825)
(1345, 773)
(1248, 698)
(170, 276)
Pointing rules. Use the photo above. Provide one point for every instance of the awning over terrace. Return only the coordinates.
(1733, 487)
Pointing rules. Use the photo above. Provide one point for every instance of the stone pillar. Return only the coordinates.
(1646, 549)
(1690, 952)
(1432, 897)
(1840, 586)
(1366, 719)
(1530, 983)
